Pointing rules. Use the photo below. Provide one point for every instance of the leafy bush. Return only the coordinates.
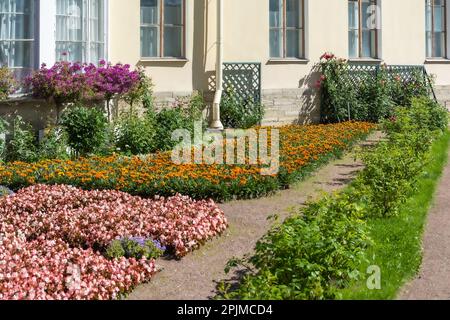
(135, 135)
(22, 145)
(138, 248)
(7, 83)
(391, 172)
(394, 167)
(364, 95)
(86, 129)
(240, 114)
(54, 145)
(183, 116)
(308, 256)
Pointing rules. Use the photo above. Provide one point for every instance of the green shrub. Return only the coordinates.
(135, 135)
(308, 256)
(239, 114)
(86, 129)
(22, 145)
(428, 114)
(390, 175)
(183, 116)
(365, 95)
(134, 248)
(54, 145)
(403, 92)
(168, 121)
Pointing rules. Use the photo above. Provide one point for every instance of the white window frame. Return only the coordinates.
(34, 40)
(47, 32)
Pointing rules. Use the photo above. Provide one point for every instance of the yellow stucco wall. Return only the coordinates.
(246, 38)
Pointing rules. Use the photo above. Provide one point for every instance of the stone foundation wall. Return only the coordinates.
(291, 106)
(443, 95)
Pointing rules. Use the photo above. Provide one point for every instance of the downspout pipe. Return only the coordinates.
(216, 123)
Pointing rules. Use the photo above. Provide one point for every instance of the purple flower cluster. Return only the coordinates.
(68, 82)
(142, 241)
(108, 80)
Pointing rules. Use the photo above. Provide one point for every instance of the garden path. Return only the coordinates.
(433, 282)
(195, 276)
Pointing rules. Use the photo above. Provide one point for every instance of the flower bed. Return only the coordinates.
(302, 148)
(46, 229)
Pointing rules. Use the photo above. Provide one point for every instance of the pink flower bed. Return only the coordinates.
(50, 270)
(44, 229)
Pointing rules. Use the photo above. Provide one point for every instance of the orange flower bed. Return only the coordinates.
(302, 148)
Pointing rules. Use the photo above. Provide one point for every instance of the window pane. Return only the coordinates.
(173, 12)
(276, 14)
(353, 37)
(293, 13)
(149, 12)
(17, 35)
(276, 43)
(293, 43)
(439, 19)
(439, 44)
(70, 30)
(353, 15)
(173, 41)
(369, 44)
(149, 41)
(428, 16)
(429, 40)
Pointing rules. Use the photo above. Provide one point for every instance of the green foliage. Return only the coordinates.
(395, 166)
(135, 135)
(239, 114)
(309, 256)
(129, 248)
(391, 173)
(7, 83)
(141, 92)
(183, 116)
(54, 145)
(398, 246)
(365, 95)
(86, 129)
(22, 146)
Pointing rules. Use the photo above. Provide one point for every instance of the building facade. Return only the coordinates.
(176, 41)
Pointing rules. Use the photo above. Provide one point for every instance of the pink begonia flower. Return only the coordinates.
(48, 234)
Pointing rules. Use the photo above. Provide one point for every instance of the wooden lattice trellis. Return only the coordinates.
(244, 80)
(358, 73)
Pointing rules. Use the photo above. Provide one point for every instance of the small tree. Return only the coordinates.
(86, 129)
(108, 81)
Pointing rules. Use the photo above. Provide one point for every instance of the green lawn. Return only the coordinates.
(397, 246)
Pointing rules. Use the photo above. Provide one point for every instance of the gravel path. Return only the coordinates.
(195, 276)
(433, 282)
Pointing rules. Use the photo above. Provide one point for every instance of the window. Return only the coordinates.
(162, 28)
(17, 36)
(362, 33)
(80, 32)
(287, 29)
(436, 27)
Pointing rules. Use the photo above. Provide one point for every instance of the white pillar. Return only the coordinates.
(216, 123)
(47, 32)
